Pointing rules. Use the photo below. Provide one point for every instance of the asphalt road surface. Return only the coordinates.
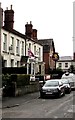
(31, 106)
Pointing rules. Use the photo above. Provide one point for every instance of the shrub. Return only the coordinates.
(22, 80)
(6, 79)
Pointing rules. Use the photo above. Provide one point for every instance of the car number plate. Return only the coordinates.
(48, 92)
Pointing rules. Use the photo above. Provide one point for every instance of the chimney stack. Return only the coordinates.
(9, 18)
(28, 29)
(34, 34)
(1, 16)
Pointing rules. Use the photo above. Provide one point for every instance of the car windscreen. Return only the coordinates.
(70, 80)
(64, 81)
(51, 83)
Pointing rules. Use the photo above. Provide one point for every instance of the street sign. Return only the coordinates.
(55, 56)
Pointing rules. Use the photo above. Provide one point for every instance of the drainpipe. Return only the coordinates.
(25, 46)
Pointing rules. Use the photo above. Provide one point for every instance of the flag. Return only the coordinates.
(30, 54)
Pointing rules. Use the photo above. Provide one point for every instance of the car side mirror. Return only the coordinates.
(61, 84)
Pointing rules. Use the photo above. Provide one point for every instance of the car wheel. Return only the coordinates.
(59, 95)
(64, 93)
(69, 91)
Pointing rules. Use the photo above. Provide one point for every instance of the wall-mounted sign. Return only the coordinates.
(24, 59)
(55, 56)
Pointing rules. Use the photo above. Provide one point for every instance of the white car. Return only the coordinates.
(71, 78)
(67, 85)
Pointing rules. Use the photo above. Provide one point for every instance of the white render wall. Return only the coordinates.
(63, 65)
(8, 56)
(37, 49)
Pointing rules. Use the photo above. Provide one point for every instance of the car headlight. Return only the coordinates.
(55, 90)
(43, 90)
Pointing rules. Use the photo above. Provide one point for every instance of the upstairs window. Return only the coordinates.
(39, 54)
(66, 65)
(17, 47)
(22, 48)
(34, 50)
(60, 65)
(12, 42)
(5, 42)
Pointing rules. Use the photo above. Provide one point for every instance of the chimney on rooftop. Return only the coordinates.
(28, 29)
(1, 16)
(9, 18)
(34, 34)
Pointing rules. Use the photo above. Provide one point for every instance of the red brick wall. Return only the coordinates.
(9, 19)
(46, 60)
(49, 63)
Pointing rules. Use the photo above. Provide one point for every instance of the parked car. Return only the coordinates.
(72, 84)
(71, 78)
(52, 87)
(67, 85)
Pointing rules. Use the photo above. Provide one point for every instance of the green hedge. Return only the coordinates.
(22, 80)
(6, 79)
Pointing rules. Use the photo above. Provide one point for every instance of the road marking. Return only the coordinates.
(51, 111)
(55, 117)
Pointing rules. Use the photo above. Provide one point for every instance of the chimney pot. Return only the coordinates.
(11, 7)
(30, 22)
(6, 8)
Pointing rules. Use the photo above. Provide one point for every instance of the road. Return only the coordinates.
(31, 106)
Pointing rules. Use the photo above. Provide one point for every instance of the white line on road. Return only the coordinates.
(55, 109)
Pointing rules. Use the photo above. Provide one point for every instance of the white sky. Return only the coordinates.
(52, 19)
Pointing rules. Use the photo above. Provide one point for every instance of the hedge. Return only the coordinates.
(20, 79)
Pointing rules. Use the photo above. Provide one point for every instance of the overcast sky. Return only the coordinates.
(52, 19)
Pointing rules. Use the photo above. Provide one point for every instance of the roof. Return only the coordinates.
(65, 58)
(21, 35)
(47, 43)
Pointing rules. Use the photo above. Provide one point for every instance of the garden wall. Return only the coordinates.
(33, 87)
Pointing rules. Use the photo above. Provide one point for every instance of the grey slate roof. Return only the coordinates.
(45, 41)
(47, 44)
(21, 35)
(65, 58)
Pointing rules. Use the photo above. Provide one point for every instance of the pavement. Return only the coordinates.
(8, 102)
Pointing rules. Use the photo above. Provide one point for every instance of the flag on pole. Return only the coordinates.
(30, 54)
